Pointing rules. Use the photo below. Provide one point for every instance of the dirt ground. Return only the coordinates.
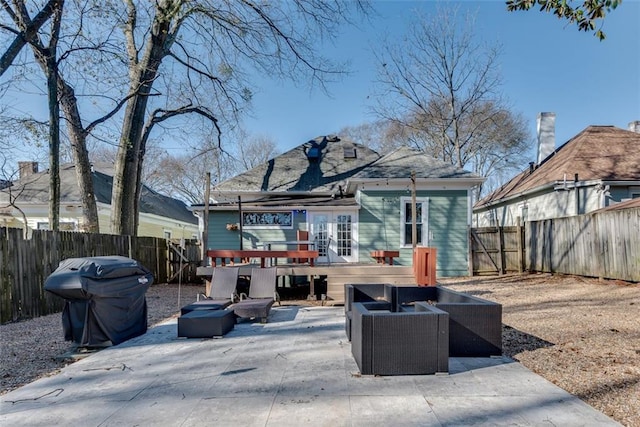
(579, 333)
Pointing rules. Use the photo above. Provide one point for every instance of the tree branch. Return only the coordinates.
(27, 30)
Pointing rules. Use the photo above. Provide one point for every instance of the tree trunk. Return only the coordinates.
(54, 141)
(124, 203)
(78, 137)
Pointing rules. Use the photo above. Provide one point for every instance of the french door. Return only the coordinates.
(335, 234)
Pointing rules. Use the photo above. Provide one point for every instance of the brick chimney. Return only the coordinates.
(546, 135)
(635, 126)
(27, 168)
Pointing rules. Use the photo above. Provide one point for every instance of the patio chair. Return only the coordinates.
(222, 292)
(262, 295)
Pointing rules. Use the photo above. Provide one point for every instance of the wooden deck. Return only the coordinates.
(337, 275)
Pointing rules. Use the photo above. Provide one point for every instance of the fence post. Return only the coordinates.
(470, 245)
(501, 260)
(520, 244)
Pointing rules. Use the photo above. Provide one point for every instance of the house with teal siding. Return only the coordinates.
(349, 201)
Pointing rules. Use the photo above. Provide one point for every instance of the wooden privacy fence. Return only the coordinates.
(26, 263)
(605, 245)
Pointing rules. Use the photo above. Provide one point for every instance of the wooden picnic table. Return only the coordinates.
(245, 255)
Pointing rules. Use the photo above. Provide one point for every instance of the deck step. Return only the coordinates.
(335, 283)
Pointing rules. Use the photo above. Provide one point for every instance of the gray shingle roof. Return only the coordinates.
(34, 189)
(400, 163)
(597, 153)
(299, 170)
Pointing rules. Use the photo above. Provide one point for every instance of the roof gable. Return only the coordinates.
(597, 153)
(319, 165)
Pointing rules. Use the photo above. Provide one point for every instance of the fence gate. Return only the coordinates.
(496, 250)
(184, 259)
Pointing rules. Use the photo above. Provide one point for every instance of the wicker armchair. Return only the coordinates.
(475, 328)
(378, 292)
(384, 342)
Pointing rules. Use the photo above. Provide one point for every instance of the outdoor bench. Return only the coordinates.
(381, 256)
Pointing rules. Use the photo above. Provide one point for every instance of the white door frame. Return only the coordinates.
(324, 225)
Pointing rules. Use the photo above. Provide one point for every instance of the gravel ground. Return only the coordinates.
(581, 334)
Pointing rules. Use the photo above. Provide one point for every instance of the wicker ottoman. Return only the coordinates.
(205, 323)
(205, 304)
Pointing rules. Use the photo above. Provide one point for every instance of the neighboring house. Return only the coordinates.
(160, 216)
(350, 201)
(596, 168)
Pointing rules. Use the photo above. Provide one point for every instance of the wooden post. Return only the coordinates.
(205, 220)
(520, 244)
(414, 214)
(470, 244)
(501, 269)
(240, 219)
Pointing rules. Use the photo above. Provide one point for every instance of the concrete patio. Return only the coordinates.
(295, 370)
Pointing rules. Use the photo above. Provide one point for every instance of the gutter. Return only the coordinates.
(558, 185)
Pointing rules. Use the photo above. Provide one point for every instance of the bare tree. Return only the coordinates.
(27, 31)
(211, 43)
(442, 86)
(47, 57)
(79, 51)
(382, 136)
(178, 58)
(252, 150)
(183, 176)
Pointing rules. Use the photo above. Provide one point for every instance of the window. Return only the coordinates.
(422, 228)
(67, 226)
(343, 235)
(349, 152)
(62, 225)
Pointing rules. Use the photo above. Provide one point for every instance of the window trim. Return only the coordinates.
(424, 217)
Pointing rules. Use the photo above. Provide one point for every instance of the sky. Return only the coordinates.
(547, 65)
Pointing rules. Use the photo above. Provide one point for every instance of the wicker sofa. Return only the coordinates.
(386, 342)
(475, 324)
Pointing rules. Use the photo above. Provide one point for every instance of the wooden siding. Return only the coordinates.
(379, 224)
(252, 238)
(447, 216)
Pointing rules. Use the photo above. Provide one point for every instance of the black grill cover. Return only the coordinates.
(105, 299)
